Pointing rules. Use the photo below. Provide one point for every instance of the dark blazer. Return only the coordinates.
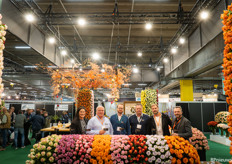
(151, 125)
(183, 128)
(75, 127)
(134, 121)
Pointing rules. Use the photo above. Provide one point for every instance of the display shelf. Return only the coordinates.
(220, 139)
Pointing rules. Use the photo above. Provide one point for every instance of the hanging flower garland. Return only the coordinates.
(84, 99)
(3, 28)
(227, 62)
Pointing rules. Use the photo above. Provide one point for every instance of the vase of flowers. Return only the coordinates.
(222, 128)
(212, 126)
(199, 141)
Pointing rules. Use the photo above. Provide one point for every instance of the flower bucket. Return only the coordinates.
(227, 133)
(214, 131)
(221, 132)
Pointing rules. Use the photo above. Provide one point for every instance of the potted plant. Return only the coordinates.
(212, 126)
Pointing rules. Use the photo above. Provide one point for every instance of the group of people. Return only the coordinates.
(139, 123)
(19, 124)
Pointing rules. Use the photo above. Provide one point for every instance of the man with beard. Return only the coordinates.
(181, 125)
(158, 123)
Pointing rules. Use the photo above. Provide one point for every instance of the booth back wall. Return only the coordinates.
(200, 113)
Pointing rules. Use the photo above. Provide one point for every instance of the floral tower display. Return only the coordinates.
(3, 29)
(227, 62)
(149, 97)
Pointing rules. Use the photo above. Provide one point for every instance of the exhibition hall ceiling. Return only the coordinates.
(117, 30)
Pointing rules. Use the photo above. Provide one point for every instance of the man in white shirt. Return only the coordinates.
(158, 123)
(99, 124)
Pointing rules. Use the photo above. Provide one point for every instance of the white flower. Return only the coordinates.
(148, 153)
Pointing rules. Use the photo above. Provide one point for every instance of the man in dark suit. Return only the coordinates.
(181, 125)
(138, 121)
(158, 123)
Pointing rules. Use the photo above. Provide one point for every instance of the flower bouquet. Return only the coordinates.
(212, 126)
(119, 149)
(221, 117)
(224, 127)
(101, 150)
(137, 152)
(158, 149)
(45, 150)
(198, 140)
(182, 151)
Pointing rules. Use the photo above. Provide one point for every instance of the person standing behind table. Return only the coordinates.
(79, 123)
(99, 124)
(28, 115)
(47, 121)
(158, 123)
(20, 119)
(120, 122)
(64, 117)
(138, 121)
(181, 125)
(37, 124)
(4, 127)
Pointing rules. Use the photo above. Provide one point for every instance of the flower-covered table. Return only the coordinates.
(113, 149)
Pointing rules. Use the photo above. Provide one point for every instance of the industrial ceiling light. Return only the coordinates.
(102, 70)
(165, 60)
(63, 52)
(204, 15)
(9, 97)
(3, 94)
(80, 69)
(140, 54)
(81, 21)
(96, 56)
(135, 70)
(72, 61)
(158, 69)
(148, 26)
(174, 50)
(181, 40)
(30, 17)
(51, 40)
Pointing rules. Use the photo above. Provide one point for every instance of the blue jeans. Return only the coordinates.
(21, 131)
(4, 137)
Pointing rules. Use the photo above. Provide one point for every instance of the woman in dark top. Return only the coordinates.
(79, 123)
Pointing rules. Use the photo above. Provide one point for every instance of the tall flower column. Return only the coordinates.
(3, 29)
(227, 62)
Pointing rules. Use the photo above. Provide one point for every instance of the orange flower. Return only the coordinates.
(178, 161)
(185, 160)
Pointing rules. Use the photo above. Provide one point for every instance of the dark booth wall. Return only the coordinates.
(200, 113)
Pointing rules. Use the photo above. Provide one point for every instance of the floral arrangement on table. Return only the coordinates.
(137, 152)
(101, 150)
(119, 149)
(148, 97)
(3, 28)
(221, 117)
(158, 150)
(44, 151)
(223, 127)
(113, 149)
(212, 126)
(85, 99)
(227, 64)
(199, 140)
(182, 151)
